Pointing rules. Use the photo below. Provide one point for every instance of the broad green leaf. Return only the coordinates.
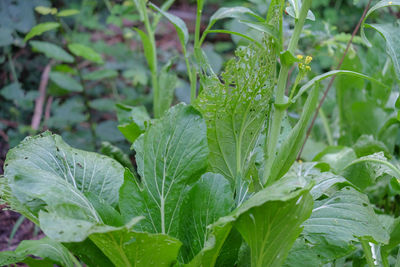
(65, 81)
(290, 148)
(208, 200)
(121, 245)
(132, 121)
(52, 51)
(67, 12)
(337, 157)
(148, 49)
(244, 97)
(367, 145)
(269, 221)
(86, 52)
(41, 28)
(45, 248)
(170, 155)
(231, 12)
(89, 253)
(44, 170)
(344, 217)
(178, 23)
(391, 34)
(364, 171)
(100, 74)
(325, 182)
(167, 81)
(116, 153)
(303, 254)
(321, 77)
(388, 31)
(294, 10)
(394, 231)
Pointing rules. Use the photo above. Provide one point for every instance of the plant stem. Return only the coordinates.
(279, 113)
(333, 77)
(12, 67)
(368, 254)
(154, 63)
(88, 109)
(327, 129)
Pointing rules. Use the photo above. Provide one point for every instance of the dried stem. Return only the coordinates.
(333, 77)
(37, 115)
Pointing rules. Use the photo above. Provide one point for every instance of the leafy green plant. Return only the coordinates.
(216, 182)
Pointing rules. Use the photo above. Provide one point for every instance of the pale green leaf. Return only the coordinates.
(52, 51)
(44, 170)
(321, 77)
(148, 49)
(100, 74)
(86, 52)
(41, 28)
(170, 155)
(178, 23)
(67, 12)
(132, 121)
(65, 81)
(44, 248)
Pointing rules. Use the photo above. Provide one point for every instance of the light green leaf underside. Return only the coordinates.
(45, 170)
(235, 110)
(170, 155)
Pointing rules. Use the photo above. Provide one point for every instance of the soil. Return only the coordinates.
(25, 231)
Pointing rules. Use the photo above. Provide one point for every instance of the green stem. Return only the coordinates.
(327, 129)
(272, 140)
(368, 254)
(154, 63)
(198, 24)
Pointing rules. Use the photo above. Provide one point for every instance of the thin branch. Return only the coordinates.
(37, 115)
(47, 112)
(333, 77)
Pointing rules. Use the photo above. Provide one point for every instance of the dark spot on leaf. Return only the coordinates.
(61, 232)
(26, 158)
(365, 204)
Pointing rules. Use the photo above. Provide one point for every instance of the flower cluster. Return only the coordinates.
(304, 65)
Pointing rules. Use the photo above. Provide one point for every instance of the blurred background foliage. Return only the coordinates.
(82, 91)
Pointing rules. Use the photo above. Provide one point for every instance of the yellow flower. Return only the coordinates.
(308, 68)
(301, 66)
(300, 57)
(390, 2)
(308, 59)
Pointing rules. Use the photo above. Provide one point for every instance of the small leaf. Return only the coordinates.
(67, 12)
(231, 12)
(168, 81)
(100, 74)
(178, 23)
(116, 153)
(41, 28)
(52, 51)
(43, 10)
(65, 81)
(148, 48)
(86, 52)
(132, 121)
